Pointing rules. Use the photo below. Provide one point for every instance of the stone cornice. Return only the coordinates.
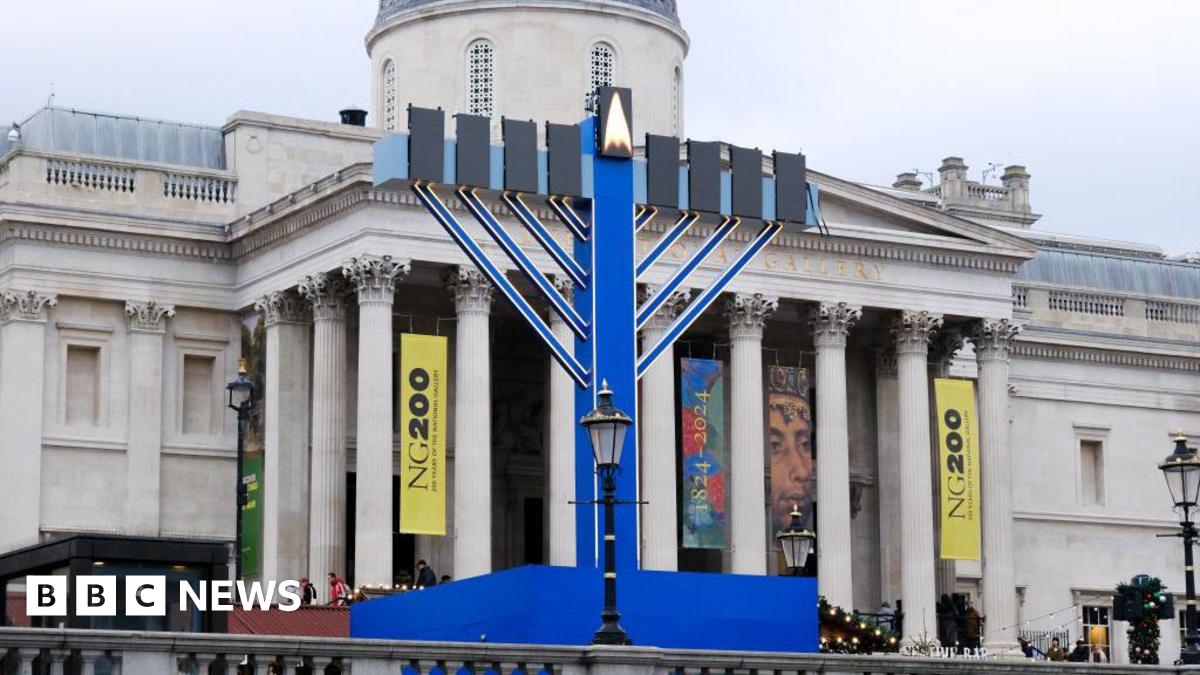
(119, 241)
(1057, 352)
(351, 188)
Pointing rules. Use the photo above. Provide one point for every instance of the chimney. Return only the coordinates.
(1016, 179)
(354, 116)
(907, 181)
(953, 173)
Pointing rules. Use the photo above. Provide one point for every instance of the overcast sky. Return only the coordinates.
(1100, 99)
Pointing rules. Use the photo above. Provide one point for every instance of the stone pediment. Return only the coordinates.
(856, 211)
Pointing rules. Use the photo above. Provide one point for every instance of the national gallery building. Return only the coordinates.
(141, 260)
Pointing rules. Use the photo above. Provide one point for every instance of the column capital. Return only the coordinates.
(375, 276)
(564, 285)
(566, 288)
(886, 365)
(671, 307)
(25, 305)
(747, 313)
(831, 323)
(913, 331)
(149, 316)
(942, 348)
(327, 293)
(471, 290)
(282, 307)
(992, 338)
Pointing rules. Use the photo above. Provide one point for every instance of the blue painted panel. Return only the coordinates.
(390, 161)
(449, 166)
(726, 192)
(768, 206)
(683, 188)
(561, 605)
(543, 176)
(496, 178)
(639, 181)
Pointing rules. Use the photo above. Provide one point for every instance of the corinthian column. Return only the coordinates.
(472, 424)
(374, 277)
(147, 326)
(327, 487)
(917, 587)
(747, 314)
(285, 438)
(992, 339)
(561, 458)
(22, 364)
(660, 541)
(831, 324)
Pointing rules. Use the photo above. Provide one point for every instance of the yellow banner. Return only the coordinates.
(423, 435)
(958, 443)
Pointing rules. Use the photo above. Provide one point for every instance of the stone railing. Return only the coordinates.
(987, 193)
(1172, 312)
(1020, 297)
(82, 652)
(1087, 303)
(121, 186)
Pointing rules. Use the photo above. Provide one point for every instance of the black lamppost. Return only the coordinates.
(796, 541)
(1182, 470)
(606, 426)
(241, 399)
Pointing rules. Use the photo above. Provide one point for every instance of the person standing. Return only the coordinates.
(1056, 653)
(308, 593)
(425, 575)
(339, 592)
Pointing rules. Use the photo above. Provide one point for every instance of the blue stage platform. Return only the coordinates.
(561, 606)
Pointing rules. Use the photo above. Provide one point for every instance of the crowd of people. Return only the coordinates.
(1081, 653)
(959, 623)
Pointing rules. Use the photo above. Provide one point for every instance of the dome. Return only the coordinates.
(527, 59)
(390, 8)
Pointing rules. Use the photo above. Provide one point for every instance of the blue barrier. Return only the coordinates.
(561, 606)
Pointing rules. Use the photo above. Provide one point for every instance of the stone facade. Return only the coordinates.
(126, 284)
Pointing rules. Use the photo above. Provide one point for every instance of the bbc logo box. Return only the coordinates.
(146, 595)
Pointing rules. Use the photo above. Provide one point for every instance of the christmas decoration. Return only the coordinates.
(846, 632)
(1143, 625)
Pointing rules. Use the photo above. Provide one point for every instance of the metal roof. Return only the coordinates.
(122, 137)
(1099, 271)
(390, 8)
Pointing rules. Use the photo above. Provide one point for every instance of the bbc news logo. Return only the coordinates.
(146, 595)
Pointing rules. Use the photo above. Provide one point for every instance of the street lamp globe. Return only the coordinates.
(796, 541)
(1182, 470)
(606, 426)
(241, 390)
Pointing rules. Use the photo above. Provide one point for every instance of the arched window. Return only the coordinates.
(389, 95)
(602, 70)
(677, 101)
(481, 76)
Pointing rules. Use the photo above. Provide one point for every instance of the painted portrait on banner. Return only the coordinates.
(789, 444)
(705, 452)
(254, 352)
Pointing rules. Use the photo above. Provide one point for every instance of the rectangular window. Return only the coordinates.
(198, 394)
(1091, 473)
(83, 386)
(1095, 631)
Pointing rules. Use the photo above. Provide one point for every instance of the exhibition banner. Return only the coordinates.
(789, 445)
(705, 452)
(252, 515)
(958, 445)
(423, 435)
